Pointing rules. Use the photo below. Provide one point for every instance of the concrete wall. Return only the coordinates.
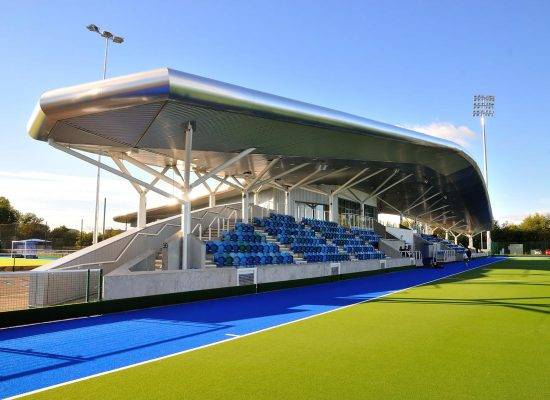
(398, 262)
(277, 273)
(171, 255)
(400, 233)
(119, 286)
(136, 284)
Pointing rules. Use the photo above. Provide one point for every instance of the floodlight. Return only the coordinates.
(115, 39)
(93, 28)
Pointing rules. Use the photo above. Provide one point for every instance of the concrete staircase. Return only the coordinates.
(284, 248)
(158, 261)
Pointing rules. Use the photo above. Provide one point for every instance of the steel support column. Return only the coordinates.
(245, 207)
(186, 205)
(142, 211)
(333, 208)
(287, 202)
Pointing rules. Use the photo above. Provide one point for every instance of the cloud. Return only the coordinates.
(461, 135)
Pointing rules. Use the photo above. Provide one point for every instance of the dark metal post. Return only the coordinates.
(87, 285)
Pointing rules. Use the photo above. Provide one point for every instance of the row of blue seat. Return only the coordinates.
(305, 248)
(324, 257)
(250, 259)
(300, 240)
(213, 247)
(243, 237)
(374, 255)
(358, 249)
(348, 242)
(244, 227)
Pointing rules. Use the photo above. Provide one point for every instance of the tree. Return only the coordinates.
(536, 223)
(8, 214)
(85, 239)
(110, 233)
(63, 237)
(32, 227)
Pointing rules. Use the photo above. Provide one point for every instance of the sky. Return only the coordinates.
(409, 63)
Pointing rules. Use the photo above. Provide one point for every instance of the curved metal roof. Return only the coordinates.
(144, 113)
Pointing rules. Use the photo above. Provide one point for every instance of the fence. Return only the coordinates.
(520, 248)
(36, 289)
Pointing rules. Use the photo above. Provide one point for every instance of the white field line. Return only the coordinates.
(241, 336)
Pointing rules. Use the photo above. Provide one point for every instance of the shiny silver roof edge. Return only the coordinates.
(193, 88)
(168, 84)
(98, 96)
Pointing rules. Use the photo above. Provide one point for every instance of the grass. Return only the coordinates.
(482, 334)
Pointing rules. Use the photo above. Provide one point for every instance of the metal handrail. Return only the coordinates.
(125, 249)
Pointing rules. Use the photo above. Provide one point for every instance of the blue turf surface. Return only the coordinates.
(42, 355)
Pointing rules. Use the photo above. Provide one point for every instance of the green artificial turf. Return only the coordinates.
(480, 335)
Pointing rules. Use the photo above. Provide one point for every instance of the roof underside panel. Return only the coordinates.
(149, 122)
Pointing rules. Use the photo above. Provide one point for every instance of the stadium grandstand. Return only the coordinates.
(293, 190)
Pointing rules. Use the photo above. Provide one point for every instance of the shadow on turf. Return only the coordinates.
(496, 270)
(504, 302)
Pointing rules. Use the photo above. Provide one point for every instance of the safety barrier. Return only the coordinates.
(36, 289)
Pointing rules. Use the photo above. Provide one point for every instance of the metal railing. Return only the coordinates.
(128, 247)
(356, 221)
(37, 289)
(214, 219)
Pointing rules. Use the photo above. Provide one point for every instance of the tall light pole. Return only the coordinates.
(108, 36)
(484, 107)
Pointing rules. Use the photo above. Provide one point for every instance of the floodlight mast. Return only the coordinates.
(484, 106)
(115, 39)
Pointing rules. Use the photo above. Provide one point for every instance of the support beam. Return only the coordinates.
(366, 178)
(375, 191)
(417, 203)
(325, 176)
(455, 224)
(221, 167)
(421, 196)
(314, 190)
(440, 216)
(225, 181)
(156, 179)
(389, 187)
(273, 178)
(350, 181)
(389, 205)
(355, 196)
(212, 200)
(305, 179)
(205, 183)
(147, 169)
(262, 173)
(123, 168)
(431, 211)
(236, 181)
(112, 170)
(435, 202)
